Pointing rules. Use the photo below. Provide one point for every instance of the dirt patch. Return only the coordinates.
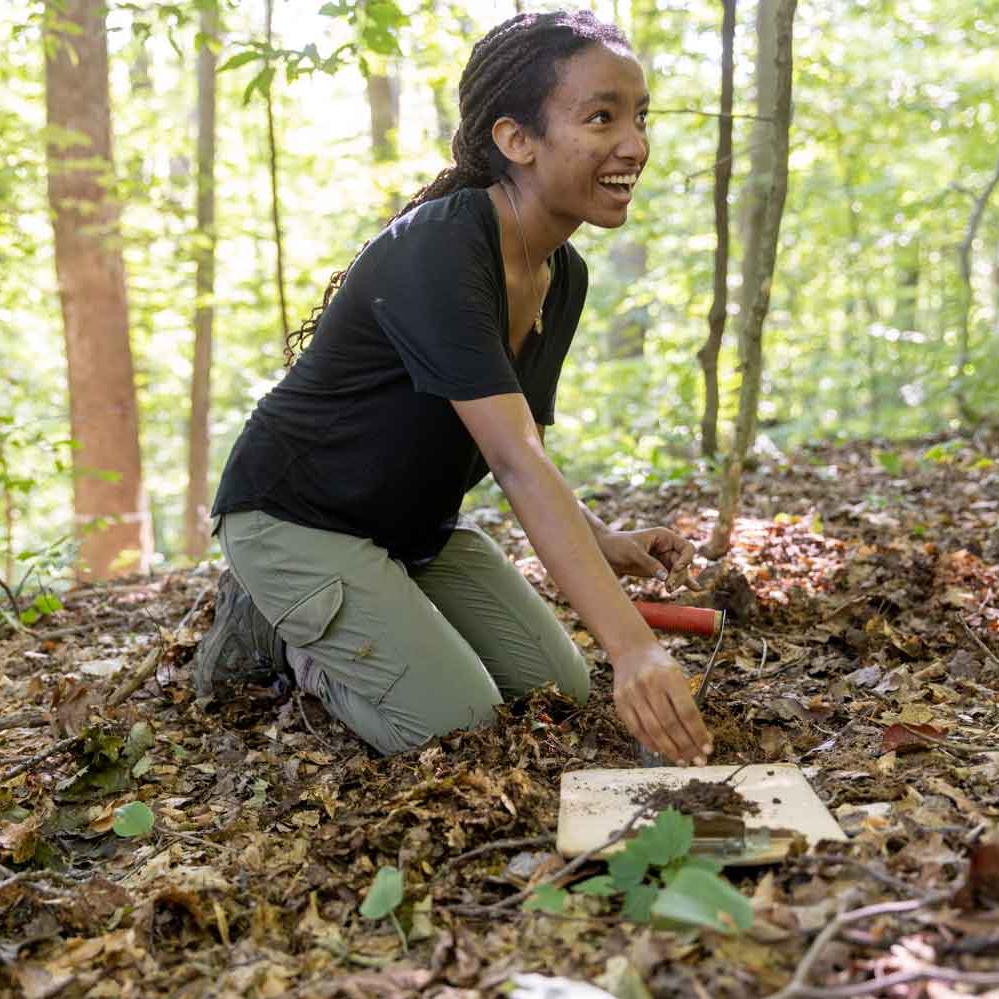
(696, 797)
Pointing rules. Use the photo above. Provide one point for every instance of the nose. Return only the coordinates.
(633, 144)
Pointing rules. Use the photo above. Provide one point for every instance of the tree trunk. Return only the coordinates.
(751, 323)
(275, 199)
(708, 354)
(196, 528)
(383, 104)
(111, 516)
(968, 415)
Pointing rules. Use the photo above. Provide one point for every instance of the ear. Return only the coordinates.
(513, 141)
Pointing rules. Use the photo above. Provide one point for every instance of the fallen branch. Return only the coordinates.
(58, 747)
(24, 719)
(146, 669)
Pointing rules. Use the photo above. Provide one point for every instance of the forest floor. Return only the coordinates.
(865, 649)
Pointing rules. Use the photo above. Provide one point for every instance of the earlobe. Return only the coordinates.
(512, 141)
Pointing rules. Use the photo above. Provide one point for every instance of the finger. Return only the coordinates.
(658, 719)
(695, 732)
(633, 710)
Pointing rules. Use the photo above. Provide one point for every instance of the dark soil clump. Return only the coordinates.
(695, 797)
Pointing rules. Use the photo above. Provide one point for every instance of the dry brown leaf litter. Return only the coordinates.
(852, 652)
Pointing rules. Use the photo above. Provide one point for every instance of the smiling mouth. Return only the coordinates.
(619, 183)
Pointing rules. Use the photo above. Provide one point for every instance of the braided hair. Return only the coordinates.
(511, 73)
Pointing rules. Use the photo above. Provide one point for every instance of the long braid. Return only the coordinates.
(511, 72)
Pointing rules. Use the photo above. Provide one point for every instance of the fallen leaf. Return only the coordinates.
(905, 738)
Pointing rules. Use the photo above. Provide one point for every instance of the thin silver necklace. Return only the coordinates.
(539, 326)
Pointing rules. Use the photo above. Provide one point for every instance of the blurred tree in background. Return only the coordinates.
(875, 328)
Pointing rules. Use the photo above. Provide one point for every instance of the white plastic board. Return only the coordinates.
(593, 804)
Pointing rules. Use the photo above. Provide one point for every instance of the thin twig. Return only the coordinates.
(737, 770)
(901, 978)
(709, 114)
(13, 601)
(570, 868)
(308, 724)
(956, 747)
(979, 642)
(58, 747)
(798, 986)
(499, 844)
(703, 688)
(146, 669)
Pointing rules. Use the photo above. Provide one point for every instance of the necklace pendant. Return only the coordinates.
(539, 326)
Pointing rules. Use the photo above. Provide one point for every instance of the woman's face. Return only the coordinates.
(595, 142)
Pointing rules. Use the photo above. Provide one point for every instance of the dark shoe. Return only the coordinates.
(240, 647)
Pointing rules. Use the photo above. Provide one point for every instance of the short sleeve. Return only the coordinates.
(438, 301)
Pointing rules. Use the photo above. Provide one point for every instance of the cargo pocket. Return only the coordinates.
(308, 619)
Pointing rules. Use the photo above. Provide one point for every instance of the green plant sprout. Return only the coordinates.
(384, 897)
(661, 882)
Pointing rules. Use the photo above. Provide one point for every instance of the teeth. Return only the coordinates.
(620, 178)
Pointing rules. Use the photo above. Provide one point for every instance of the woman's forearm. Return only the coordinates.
(564, 540)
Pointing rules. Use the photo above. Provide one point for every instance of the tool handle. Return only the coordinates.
(680, 620)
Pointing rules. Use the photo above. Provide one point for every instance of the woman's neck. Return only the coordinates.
(525, 222)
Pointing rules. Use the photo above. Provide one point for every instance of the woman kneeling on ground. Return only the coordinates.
(434, 359)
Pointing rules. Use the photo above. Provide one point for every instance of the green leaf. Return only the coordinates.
(384, 894)
(47, 603)
(638, 903)
(699, 898)
(546, 898)
(602, 885)
(29, 616)
(668, 837)
(240, 59)
(133, 819)
(628, 867)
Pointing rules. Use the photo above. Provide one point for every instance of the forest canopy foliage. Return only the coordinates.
(892, 148)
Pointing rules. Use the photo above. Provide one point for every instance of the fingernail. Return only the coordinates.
(699, 761)
(681, 763)
(662, 575)
(707, 749)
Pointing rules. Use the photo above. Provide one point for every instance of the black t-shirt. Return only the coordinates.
(360, 435)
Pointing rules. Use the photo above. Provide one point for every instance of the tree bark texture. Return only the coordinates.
(708, 354)
(107, 481)
(196, 527)
(761, 157)
(275, 198)
(751, 325)
(964, 408)
(383, 105)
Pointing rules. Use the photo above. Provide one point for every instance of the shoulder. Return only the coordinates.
(465, 212)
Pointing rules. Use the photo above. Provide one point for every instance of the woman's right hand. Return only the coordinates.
(653, 700)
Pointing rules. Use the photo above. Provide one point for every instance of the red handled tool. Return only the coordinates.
(680, 620)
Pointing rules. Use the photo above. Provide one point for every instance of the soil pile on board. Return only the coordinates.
(694, 798)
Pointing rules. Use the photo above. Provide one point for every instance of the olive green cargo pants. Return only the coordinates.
(402, 654)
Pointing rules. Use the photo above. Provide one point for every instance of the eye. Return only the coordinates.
(600, 117)
(642, 118)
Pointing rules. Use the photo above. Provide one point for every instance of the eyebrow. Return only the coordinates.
(611, 97)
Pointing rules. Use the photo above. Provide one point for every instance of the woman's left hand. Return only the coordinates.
(655, 551)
